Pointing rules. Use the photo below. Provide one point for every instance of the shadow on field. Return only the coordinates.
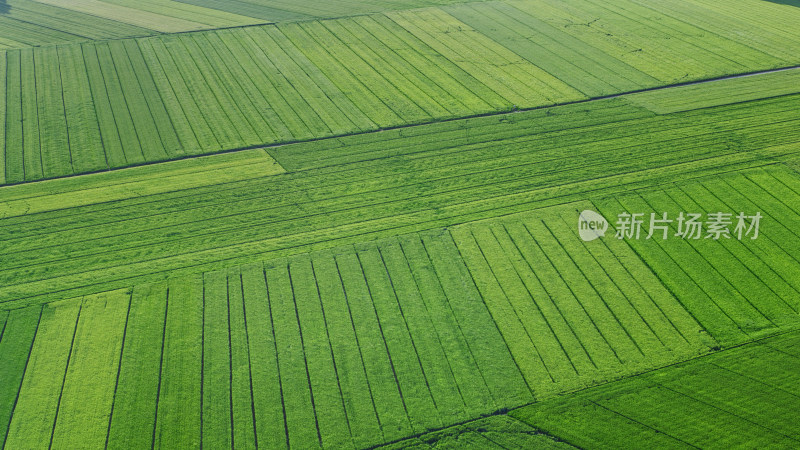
(4, 8)
(786, 2)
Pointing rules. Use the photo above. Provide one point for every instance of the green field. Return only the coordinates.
(362, 224)
(88, 106)
(730, 392)
(28, 23)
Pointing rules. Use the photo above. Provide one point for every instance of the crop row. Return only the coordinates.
(596, 47)
(27, 23)
(94, 106)
(366, 344)
(746, 396)
(737, 289)
(406, 192)
(574, 314)
(349, 348)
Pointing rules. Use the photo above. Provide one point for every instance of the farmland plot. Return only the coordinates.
(174, 95)
(27, 23)
(727, 399)
(163, 18)
(17, 339)
(323, 338)
(38, 398)
(714, 93)
(346, 231)
(380, 340)
(420, 181)
(738, 289)
(570, 314)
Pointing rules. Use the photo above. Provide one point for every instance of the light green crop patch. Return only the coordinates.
(720, 92)
(134, 182)
(140, 17)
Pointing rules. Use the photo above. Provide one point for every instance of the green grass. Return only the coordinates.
(3, 113)
(560, 306)
(400, 337)
(267, 400)
(135, 182)
(316, 339)
(80, 111)
(241, 367)
(54, 149)
(334, 425)
(705, 95)
(216, 362)
(178, 416)
(379, 341)
(30, 144)
(13, 155)
(302, 426)
(31, 22)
